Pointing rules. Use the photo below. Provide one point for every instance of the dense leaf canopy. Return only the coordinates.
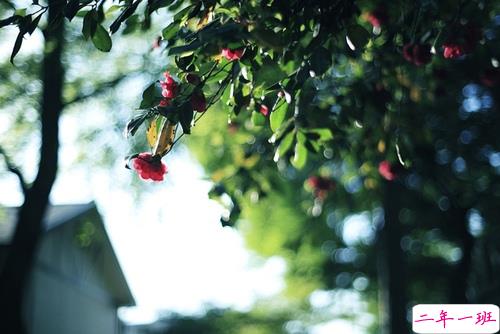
(307, 112)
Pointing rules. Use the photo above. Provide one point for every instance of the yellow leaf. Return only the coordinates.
(152, 132)
(166, 138)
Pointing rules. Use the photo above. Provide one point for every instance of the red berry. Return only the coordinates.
(193, 79)
(264, 110)
(421, 54)
(490, 77)
(198, 102)
(232, 54)
(386, 170)
(453, 50)
(378, 17)
(408, 52)
(320, 185)
(418, 54)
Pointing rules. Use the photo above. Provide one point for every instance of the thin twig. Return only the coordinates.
(15, 170)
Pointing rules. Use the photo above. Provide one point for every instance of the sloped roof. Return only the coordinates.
(56, 216)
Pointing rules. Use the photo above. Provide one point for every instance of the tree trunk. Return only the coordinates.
(459, 276)
(21, 255)
(391, 266)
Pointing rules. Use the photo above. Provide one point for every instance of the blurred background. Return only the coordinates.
(232, 241)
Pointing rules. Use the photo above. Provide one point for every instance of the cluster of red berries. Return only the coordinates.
(418, 54)
(169, 89)
(320, 185)
(463, 42)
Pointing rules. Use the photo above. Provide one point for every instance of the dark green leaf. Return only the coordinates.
(182, 14)
(10, 20)
(89, 25)
(269, 73)
(148, 97)
(186, 117)
(101, 39)
(185, 48)
(123, 16)
(134, 124)
(71, 9)
(34, 24)
(183, 62)
(17, 46)
(157, 4)
(320, 60)
(357, 37)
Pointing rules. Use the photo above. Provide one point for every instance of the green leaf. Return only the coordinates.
(300, 157)
(170, 31)
(182, 14)
(148, 96)
(113, 9)
(357, 37)
(324, 134)
(20, 12)
(71, 9)
(258, 119)
(89, 24)
(186, 118)
(34, 24)
(185, 48)
(134, 124)
(10, 20)
(269, 38)
(278, 116)
(123, 16)
(269, 73)
(101, 39)
(17, 46)
(157, 4)
(285, 144)
(184, 62)
(321, 60)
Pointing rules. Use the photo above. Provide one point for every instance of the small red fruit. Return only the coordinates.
(232, 54)
(264, 110)
(198, 102)
(453, 50)
(387, 171)
(378, 17)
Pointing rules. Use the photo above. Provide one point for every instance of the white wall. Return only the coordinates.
(67, 294)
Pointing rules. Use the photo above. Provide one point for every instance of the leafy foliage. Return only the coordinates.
(333, 88)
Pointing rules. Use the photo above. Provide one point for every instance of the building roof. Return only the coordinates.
(55, 216)
(58, 215)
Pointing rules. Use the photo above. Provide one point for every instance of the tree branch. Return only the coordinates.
(15, 170)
